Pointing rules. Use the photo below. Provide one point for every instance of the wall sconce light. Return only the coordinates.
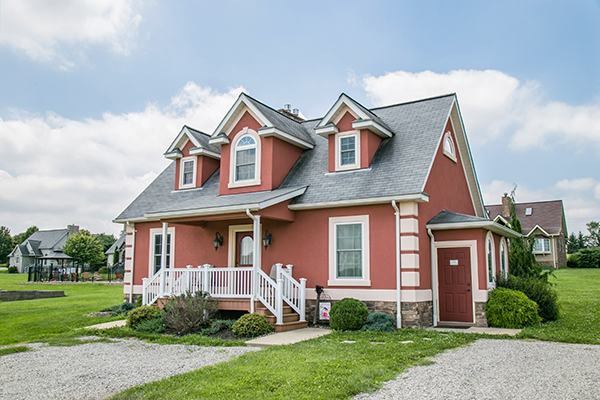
(218, 241)
(267, 239)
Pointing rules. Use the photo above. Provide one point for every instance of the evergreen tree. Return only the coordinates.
(521, 261)
(572, 246)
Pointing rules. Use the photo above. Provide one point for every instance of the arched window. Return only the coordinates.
(246, 250)
(489, 248)
(503, 259)
(245, 159)
(449, 148)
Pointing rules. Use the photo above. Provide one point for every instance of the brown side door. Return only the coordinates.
(244, 249)
(455, 289)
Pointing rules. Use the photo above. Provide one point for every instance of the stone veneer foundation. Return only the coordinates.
(480, 318)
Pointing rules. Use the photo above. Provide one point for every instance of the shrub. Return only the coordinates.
(122, 309)
(154, 325)
(218, 326)
(138, 302)
(537, 290)
(348, 315)
(379, 322)
(142, 314)
(589, 258)
(103, 270)
(508, 308)
(251, 325)
(573, 260)
(189, 312)
(12, 270)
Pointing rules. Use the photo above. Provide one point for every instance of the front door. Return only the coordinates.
(244, 251)
(454, 276)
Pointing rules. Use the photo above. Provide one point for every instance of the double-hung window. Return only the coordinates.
(188, 173)
(349, 251)
(157, 251)
(348, 150)
(245, 159)
(541, 245)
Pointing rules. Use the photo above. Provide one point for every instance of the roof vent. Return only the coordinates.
(295, 111)
(287, 107)
(528, 211)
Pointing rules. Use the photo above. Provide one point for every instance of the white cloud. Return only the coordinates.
(47, 31)
(55, 171)
(580, 198)
(492, 104)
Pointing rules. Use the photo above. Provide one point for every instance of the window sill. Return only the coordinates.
(243, 184)
(349, 282)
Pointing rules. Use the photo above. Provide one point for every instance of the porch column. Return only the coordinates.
(163, 258)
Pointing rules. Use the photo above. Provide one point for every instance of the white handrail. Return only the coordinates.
(267, 294)
(293, 292)
(151, 288)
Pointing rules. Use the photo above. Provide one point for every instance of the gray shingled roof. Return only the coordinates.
(282, 122)
(449, 217)
(117, 244)
(400, 165)
(48, 239)
(203, 139)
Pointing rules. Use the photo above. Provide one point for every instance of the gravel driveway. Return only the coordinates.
(502, 369)
(98, 370)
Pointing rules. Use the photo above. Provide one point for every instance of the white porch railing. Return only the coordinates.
(230, 283)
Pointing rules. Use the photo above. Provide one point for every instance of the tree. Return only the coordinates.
(572, 246)
(84, 247)
(593, 239)
(21, 237)
(105, 240)
(521, 260)
(6, 244)
(581, 244)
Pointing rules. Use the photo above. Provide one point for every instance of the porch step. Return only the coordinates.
(290, 318)
(290, 326)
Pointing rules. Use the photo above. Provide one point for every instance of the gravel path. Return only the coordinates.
(502, 369)
(98, 370)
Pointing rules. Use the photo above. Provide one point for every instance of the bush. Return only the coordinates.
(379, 322)
(573, 260)
(537, 290)
(252, 325)
(138, 302)
(348, 315)
(189, 312)
(103, 270)
(12, 270)
(142, 314)
(122, 309)
(589, 258)
(508, 308)
(154, 325)
(218, 326)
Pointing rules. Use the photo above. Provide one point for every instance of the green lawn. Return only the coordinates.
(46, 319)
(579, 320)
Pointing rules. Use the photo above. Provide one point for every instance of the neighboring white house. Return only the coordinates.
(45, 246)
(117, 247)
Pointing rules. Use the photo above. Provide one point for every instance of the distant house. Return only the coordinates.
(43, 246)
(117, 247)
(382, 205)
(542, 221)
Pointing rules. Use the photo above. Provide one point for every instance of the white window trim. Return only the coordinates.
(450, 155)
(338, 151)
(503, 243)
(194, 160)
(232, 243)
(544, 250)
(154, 232)
(489, 238)
(257, 166)
(366, 274)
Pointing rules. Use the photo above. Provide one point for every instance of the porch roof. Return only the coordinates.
(450, 220)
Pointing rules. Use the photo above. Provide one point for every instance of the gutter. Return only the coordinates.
(398, 268)
(132, 259)
(433, 281)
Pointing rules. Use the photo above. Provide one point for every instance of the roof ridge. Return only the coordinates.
(413, 101)
(271, 108)
(528, 202)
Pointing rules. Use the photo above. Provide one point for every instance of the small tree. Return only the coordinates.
(521, 260)
(6, 244)
(593, 239)
(85, 248)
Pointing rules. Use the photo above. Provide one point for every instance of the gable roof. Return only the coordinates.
(399, 169)
(548, 215)
(451, 220)
(116, 245)
(200, 141)
(48, 239)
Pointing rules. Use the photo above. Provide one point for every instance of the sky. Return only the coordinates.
(92, 92)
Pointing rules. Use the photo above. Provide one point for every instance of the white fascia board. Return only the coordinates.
(343, 99)
(175, 143)
(286, 137)
(283, 197)
(419, 198)
(373, 126)
(327, 130)
(241, 99)
(219, 140)
(204, 152)
(173, 155)
(489, 225)
(541, 229)
(204, 211)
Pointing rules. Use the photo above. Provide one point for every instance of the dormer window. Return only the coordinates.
(245, 159)
(449, 149)
(245, 156)
(188, 172)
(348, 151)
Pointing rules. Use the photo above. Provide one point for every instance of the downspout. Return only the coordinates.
(398, 268)
(433, 281)
(255, 256)
(132, 259)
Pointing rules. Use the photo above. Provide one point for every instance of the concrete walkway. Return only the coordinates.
(107, 325)
(476, 329)
(288, 337)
